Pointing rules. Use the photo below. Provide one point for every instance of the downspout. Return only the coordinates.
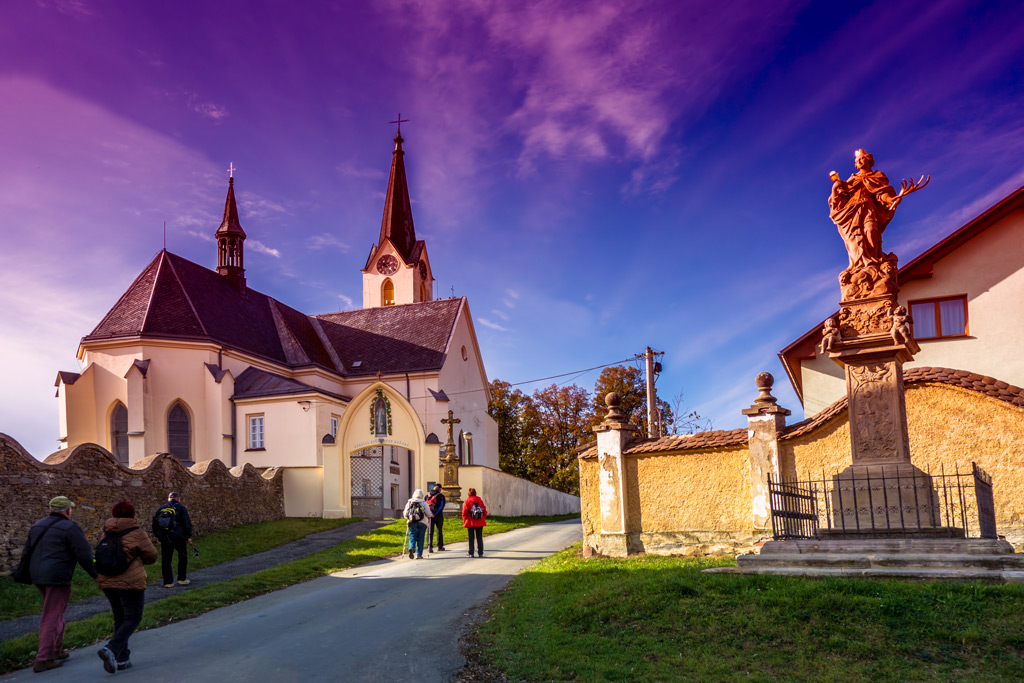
(234, 445)
(408, 450)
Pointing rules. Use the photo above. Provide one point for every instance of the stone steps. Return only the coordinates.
(919, 574)
(910, 560)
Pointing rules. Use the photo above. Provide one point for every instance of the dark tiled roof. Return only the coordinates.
(983, 384)
(389, 339)
(175, 298)
(687, 442)
(255, 383)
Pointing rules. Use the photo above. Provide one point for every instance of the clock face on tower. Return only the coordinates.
(387, 264)
(423, 270)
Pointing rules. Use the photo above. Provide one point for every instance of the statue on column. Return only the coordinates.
(861, 207)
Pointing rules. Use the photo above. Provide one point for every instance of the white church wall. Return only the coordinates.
(509, 496)
(303, 491)
(289, 431)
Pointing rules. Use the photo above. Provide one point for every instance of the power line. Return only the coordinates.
(577, 372)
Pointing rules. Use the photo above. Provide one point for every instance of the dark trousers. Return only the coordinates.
(166, 549)
(476, 533)
(51, 621)
(127, 608)
(436, 522)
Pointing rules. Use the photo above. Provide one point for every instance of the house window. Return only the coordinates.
(119, 432)
(388, 298)
(255, 432)
(179, 432)
(334, 426)
(935, 318)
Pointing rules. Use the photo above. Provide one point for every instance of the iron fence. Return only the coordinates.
(893, 501)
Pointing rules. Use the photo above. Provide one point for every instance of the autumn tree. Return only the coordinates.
(517, 427)
(564, 416)
(629, 382)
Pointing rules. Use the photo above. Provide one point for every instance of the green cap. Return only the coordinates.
(61, 503)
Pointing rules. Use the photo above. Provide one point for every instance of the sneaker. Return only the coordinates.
(62, 655)
(479, 554)
(471, 554)
(109, 663)
(419, 557)
(183, 582)
(430, 551)
(121, 666)
(412, 553)
(47, 665)
(440, 549)
(168, 585)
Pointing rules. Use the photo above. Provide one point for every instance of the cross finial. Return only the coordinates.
(231, 170)
(399, 121)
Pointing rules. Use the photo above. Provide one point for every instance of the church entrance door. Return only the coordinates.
(368, 483)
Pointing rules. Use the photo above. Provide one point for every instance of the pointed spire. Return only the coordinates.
(230, 240)
(397, 222)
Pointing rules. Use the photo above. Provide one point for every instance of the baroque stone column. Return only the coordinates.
(765, 419)
(614, 434)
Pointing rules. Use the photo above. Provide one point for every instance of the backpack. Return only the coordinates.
(434, 503)
(416, 512)
(167, 521)
(476, 511)
(110, 558)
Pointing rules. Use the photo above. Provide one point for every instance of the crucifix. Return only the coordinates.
(399, 121)
(450, 477)
(231, 170)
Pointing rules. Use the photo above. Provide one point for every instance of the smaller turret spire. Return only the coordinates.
(230, 238)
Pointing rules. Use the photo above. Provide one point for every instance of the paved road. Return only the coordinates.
(396, 620)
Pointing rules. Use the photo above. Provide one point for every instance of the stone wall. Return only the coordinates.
(509, 496)
(216, 497)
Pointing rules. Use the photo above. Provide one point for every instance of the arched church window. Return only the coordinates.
(179, 432)
(119, 432)
(388, 296)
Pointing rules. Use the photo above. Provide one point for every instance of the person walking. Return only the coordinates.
(416, 510)
(125, 591)
(55, 544)
(173, 528)
(436, 502)
(474, 518)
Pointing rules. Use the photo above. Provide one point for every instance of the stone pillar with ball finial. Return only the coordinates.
(614, 435)
(765, 419)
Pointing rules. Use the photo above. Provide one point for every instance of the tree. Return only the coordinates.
(682, 421)
(564, 415)
(631, 385)
(517, 428)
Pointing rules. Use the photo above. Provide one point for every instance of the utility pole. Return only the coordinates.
(649, 358)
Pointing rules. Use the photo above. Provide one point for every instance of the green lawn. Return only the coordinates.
(660, 619)
(214, 548)
(385, 542)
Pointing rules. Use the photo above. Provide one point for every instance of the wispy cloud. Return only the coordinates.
(349, 169)
(206, 237)
(261, 248)
(327, 241)
(493, 325)
(500, 314)
(347, 300)
(258, 207)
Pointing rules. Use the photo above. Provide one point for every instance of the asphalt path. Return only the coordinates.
(395, 620)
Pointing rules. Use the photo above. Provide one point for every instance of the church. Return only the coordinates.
(354, 405)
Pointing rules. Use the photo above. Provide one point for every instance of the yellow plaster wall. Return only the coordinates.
(693, 490)
(590, 497)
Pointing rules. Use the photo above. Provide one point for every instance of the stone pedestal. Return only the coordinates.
(892, 496)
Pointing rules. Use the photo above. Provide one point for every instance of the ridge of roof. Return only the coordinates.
(919, 267)
(128, 304)
(188, 299)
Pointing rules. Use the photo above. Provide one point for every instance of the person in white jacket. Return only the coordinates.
(417, 511)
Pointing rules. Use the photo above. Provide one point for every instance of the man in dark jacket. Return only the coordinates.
(173, 528)
(59, 544)
(436, 502)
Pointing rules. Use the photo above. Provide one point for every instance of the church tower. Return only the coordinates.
(397, 270)
(230, 238)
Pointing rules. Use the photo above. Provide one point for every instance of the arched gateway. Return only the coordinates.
(382, 443)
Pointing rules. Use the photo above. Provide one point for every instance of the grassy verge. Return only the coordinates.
(660, 619)
(384, 542)
(17, 600)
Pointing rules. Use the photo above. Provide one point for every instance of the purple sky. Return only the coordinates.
(595, 179)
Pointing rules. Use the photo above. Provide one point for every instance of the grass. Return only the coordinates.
(384, 542)
(17, 599)
(659, 619)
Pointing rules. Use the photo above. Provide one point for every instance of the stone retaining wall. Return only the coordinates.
(216, 497)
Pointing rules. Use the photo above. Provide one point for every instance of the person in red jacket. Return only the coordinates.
(474, 518)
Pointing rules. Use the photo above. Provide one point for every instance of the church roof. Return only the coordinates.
(396, 224)
(255, 383)
(387, 339)
(174, 298)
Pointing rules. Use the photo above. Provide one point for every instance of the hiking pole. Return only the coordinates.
(195, 550)
(405, 543)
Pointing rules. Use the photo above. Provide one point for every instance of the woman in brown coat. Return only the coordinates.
(126, 591)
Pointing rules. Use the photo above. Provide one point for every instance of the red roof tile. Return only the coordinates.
(685, 442)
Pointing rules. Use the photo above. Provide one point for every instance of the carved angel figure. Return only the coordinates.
(900, 325)
(830, 335)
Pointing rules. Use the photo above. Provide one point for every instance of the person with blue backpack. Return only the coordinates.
(173, 528)
(436, 502)
(474, 518)
(119, 559)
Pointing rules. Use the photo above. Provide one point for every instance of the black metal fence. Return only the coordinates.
(892, 501)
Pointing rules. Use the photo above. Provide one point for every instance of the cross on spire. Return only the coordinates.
(231, 170)
(399, 121)
(451, 422)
